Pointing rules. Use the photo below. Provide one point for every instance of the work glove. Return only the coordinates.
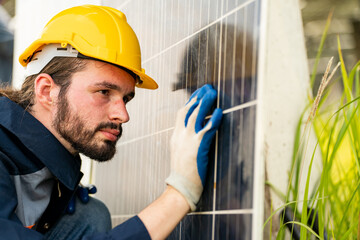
(190, 144)
(82, 192)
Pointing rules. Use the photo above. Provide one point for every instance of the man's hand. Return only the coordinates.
(82, 192)
(190, 144)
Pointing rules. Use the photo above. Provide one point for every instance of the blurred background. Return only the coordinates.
(7, 13)
(256, 141)
(345, 25)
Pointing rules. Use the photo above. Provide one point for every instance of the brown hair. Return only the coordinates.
(60, 69)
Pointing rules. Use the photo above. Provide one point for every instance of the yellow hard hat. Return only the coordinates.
(97, 32)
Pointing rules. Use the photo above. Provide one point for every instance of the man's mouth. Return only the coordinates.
(110, 134)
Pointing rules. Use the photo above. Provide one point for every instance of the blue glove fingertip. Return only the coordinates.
(200, 92)
(207, 102)
(216, 118)
(207, 95)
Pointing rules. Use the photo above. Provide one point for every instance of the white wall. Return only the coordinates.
(31, 17)
(284, 90)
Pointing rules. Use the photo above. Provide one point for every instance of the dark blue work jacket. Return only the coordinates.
(38, 176)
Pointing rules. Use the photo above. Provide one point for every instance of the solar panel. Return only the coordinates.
(186, 44)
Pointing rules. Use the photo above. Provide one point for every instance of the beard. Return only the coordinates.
(73, 129)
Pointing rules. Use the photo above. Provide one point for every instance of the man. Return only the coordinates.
(81, 73)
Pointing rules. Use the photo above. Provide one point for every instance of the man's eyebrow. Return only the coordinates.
(108, 85)
(114, 87)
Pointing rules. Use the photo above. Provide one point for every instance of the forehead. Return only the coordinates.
(97, 72)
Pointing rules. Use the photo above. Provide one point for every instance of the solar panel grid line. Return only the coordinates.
(214, 186)
(241, 137)
(207, 54)
(198, 60)
(220, 212)
(138, 15)
(152, 24)
(192, 15)
(255, 37)
(233, 64)
(201, 11)
(216, 212)
(222, 58)
(217, 136)
(243, 57)
(163, 25)
(219, 68)
(188, 16)
(180, 227)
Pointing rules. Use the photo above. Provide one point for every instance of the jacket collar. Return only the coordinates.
(41, 142)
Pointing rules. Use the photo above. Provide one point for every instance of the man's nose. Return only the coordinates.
(118, 112)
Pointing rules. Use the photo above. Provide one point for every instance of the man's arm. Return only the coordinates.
(162, 216)
(10, 225)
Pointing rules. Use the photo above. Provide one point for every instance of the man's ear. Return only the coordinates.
(45, 90)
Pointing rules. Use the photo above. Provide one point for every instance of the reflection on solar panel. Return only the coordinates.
(186, 44)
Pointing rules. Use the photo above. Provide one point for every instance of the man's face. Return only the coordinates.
(90, 114)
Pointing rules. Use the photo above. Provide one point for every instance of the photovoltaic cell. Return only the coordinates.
(234, 188)
(233, 226)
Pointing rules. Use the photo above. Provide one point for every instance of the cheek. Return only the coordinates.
(89, 110)
(88, 106)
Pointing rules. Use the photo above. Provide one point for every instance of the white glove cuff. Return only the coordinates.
(189, 190)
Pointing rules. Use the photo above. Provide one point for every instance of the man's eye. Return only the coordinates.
(104, 92)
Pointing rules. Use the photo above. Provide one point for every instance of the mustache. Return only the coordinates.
(111, 126)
